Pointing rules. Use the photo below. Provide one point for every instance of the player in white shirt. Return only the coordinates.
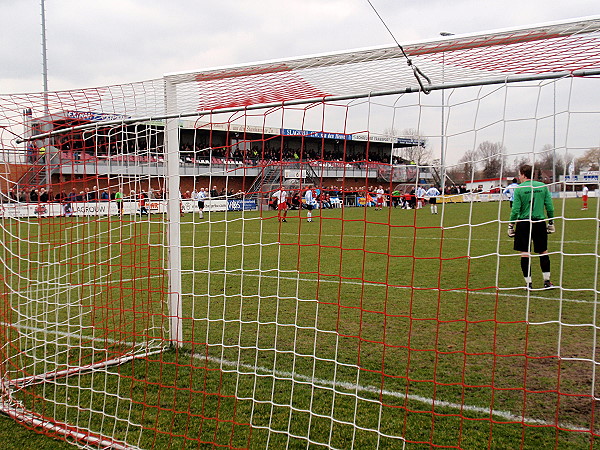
(432, 193)
(420, 194)
(379, 200)
(200, 197)
(310, 202)
(509, 192)
(281, 197)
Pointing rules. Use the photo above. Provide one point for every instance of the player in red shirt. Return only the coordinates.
(281, 197)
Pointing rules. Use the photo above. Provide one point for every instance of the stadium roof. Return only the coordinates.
(98, 117)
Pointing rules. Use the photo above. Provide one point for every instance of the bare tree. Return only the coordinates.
(546, 160)
(390, 132)
(493, 158)
(520, 161)
(418, 154)
(467, 167)
(590, 159)
(562, 163)
(457, 175)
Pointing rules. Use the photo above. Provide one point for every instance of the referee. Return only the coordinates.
(532, 202)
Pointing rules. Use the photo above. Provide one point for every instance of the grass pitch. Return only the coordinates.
(363, 328)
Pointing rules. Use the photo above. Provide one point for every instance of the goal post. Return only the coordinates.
(250, 256)
(173, 216)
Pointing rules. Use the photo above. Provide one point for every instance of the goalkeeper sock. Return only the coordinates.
(545, 266)
(545, 263)
(525, 267)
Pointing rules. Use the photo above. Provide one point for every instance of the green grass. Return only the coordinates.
(340, 332)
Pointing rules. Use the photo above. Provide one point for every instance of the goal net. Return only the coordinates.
(246, 257)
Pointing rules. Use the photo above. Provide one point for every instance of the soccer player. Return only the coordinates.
(584, 195)
(420, 194)
(281, 197)
(200, 197)
(433, 194)
(410, 200)
(379, 200)
(396, 198)
(143, 198)
(119, 201)
(310, 202)
(509, 192)
(530, 200)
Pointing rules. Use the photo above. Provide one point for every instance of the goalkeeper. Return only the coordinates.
(532, 202)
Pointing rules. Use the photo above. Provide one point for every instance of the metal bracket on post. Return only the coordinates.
(173, 216)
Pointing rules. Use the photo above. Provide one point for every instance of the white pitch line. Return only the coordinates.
(352, 387)
(360, 236)
(329, 279)
(70, 335)
(374, 390)
(332, 279)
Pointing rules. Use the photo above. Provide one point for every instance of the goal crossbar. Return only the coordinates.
(436, 87)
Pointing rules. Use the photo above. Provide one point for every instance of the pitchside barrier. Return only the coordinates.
(110, 208)
(17, 210)
(467, 198)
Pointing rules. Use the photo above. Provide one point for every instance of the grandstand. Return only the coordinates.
(242, 157)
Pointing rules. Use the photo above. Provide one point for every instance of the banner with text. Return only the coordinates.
(78, 209)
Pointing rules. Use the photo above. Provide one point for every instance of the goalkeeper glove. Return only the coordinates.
(511, 230)
(550, 227)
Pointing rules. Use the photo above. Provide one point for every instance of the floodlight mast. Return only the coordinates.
(44, 58)
(47, 154)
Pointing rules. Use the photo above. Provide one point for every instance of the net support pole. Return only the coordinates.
(173, 216)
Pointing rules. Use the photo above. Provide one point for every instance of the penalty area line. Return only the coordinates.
(353, 387)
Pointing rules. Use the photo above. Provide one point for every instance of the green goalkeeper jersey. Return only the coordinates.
(524, 208)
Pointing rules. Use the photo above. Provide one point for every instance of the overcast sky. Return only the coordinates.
(97, 43)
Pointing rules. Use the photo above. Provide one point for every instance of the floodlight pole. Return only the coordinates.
(44, 58)
(47, 157)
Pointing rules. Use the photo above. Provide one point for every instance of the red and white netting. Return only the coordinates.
(132, 318)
